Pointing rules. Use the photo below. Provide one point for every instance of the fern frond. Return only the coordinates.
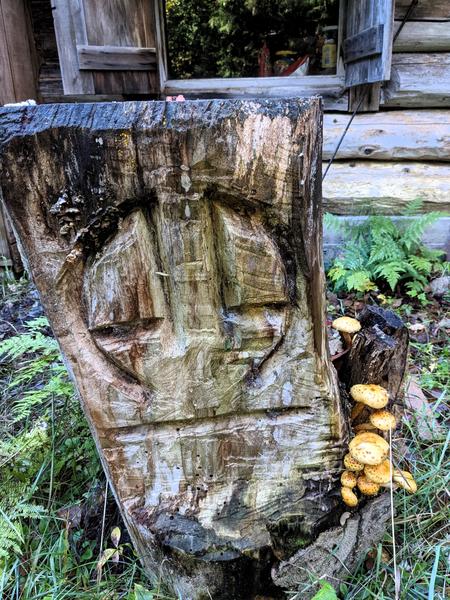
(413, 207)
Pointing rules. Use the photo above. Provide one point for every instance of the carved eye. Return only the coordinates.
(252, 269)
(121, 285)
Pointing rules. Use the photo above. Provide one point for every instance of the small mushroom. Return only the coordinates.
(405, 480)
(349, 497)
(347, 327)
(348, 479)
(367, 487)
(380, 474)
(351, 464)
(370, 394)
(369, 448)
(383, 420)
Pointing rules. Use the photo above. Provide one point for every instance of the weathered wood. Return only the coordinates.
(177, 250)
(70, 30)
(400, 135)
(18, 67)
(432, 10)
(363, 16)
(367, 187)
(423, 36)
(418, 80)
(330, 87)
(335, 553)
(110, 23)
(379, 351)
(116, 58)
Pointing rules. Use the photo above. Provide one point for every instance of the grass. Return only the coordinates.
(49, 462)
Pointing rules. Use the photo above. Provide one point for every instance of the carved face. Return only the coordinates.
(194, 329)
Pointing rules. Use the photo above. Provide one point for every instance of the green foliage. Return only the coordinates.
(384, 254)
(326, 592)
(222, 38)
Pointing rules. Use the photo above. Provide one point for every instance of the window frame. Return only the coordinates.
(331, 87)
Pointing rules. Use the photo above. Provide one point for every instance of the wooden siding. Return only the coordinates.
(366, 187)
(395, 135)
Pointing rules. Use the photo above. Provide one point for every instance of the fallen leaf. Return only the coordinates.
(428, 427)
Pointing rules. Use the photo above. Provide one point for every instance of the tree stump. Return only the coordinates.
(177, 251)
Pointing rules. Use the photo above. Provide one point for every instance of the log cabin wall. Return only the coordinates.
(402, 152)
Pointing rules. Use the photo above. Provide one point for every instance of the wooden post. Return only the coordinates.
(177, 251)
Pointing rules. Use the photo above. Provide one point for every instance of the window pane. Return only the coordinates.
(251, 38)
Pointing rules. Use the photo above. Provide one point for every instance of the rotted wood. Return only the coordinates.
(379, 353)
(177, 251)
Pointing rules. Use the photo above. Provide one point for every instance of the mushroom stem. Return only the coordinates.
(347, 339)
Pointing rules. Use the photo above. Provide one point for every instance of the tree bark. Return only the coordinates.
(177, 251)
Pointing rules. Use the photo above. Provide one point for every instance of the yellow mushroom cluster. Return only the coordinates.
(367, 466)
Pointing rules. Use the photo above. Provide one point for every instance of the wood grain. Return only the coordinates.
(418, 81)
(401, 135)
(179, 262)
(361, 16)
(432, 10)
(382, 187)
(423, 36)
(116, 58)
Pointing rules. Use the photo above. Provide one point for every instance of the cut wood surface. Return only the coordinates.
(432, 10)
(423, 36)
(177, 250)
(418, 80)
(367, 187)
(400, 135)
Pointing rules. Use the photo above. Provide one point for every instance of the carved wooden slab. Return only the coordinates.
(177, 250)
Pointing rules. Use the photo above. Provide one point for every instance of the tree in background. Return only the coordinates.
(222, 38)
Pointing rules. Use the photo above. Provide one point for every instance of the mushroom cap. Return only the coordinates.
(381, 473)
(349, 496)
(370, 394)
(369, 448)
(383, 419)
(346, 324)
(405, 480)
(348, 479)
(367, 487)
(351, 464)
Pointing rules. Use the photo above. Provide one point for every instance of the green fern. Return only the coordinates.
(384, 253)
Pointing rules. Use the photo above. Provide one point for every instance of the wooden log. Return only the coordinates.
(368, 187)
(436, 10)
(418, 80)
(423, 36)
(179, 263)
(400, 135)
(379, 352)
